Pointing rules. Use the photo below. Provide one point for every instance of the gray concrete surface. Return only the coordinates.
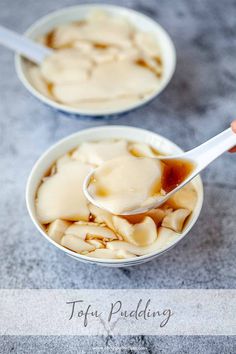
(199, 102)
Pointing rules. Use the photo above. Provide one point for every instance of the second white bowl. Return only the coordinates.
(70, 14)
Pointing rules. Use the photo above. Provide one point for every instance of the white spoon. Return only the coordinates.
(24, 46)
(199, 157)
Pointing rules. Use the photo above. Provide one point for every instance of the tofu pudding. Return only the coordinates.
(71, 221)
(126, 183)
(101, 62)
(129, 183)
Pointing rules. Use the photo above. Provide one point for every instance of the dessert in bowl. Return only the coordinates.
(106, 60)
(62, 214)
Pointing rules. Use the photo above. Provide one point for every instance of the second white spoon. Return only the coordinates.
(24, 46)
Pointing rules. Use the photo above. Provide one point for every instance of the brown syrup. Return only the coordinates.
(50, 88)
(100, 46)
(101, 191)
(158, 60)
(49, 39)
(141, 62)
(175, 172)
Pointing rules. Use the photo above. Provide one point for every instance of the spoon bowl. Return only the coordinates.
(198, 158)
(161, 200)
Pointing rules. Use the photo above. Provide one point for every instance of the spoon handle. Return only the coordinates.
(211, 149)
(23, 45)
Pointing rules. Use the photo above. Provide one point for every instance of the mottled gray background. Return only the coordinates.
(199, 102)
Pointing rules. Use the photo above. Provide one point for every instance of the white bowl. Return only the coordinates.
(106, 132)
(79, 12)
